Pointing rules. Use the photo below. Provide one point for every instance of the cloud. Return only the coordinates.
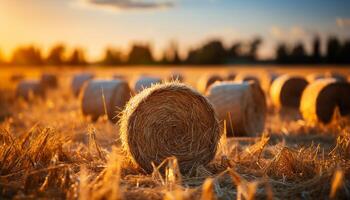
(290, 34)
(130, 4)
(343, 22)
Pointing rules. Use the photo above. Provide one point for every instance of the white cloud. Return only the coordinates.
(343, 22)
(129, 4)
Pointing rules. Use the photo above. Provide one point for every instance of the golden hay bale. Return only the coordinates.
(247, 77)
(78, 82)
(207, 80)
(119, 76)
(241, 105)
(317, 76)
(286, 91)
(28, 89)
(105, 97)
(321, 97)
(145, 82)
(176, 76)
(167, 120)
(49, 80)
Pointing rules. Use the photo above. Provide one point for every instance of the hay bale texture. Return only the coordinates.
(145, 82)
(49, 80)
(102, 97)
(28, 89)
(205, 81)
(241, 105)
(166, 120)
(78, 82)
(321, 97)
(176, 76)
(286, 91)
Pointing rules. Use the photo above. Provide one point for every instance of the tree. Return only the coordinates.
(282, 54)
(254, 46)
(333, 49)
(112, 57)
(298, 54)
(140, 54)
(171, 55)
(212, 52)
(316, 50)
(30, 55)
(77, 57)
(56, 54)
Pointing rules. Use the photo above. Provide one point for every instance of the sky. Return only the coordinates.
(97, 24)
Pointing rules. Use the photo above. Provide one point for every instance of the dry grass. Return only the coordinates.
(48, 150)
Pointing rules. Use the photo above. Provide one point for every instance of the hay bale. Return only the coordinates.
(321, 97)
(207, 80)
(176, 76)
(119, 76)
(242, 77)
(78, 82)
(317, 76)
(166, 120)
(241, 105)
(102, 97)
(49, 80)
(28, 89)
(145, 82)
(286, 91)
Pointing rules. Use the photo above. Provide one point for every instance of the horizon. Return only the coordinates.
(95, 25)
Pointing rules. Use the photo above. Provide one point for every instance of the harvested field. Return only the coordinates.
(49, 150)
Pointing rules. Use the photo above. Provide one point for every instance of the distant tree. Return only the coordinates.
(316, 50)
(344, 54)
(56, 55)
(212, 52)
(298, 54)
(112, 57)
(140, 54)
(235, 51)
(171, 54)
(254, 46)
(30, 55)
(282, 54)
(77, 57)
(333, 49)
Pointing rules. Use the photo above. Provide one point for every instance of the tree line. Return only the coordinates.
(212, 52)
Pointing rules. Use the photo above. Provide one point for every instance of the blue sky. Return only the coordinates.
(95, 24)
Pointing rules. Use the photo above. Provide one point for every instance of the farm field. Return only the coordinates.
(49, 150)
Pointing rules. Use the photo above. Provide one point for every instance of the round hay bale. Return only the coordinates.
(167, 120)
(49, 80)
(207, 80)
(102, 97)
(176, 76)
(317, 76)
(241, 105)
(286, 91)
(321, 97)
(78, 82)
(247, 77)
(28, 89)
(145, 82)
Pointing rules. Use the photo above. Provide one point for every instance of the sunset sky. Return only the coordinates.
(95, 24)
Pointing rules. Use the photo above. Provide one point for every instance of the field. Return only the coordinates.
(49, 150)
